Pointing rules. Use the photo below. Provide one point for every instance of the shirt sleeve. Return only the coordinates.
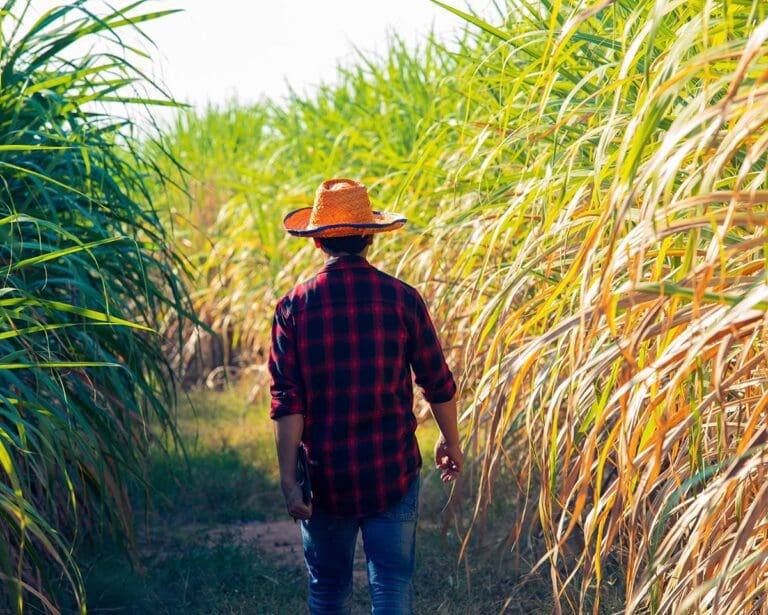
(431, 372)
(286, 386)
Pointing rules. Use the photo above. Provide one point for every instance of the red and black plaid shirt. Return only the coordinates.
(343, 346)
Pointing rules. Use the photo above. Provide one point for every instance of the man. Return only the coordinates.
(344, 346)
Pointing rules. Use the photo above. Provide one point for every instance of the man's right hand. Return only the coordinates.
(449, 459)
(294, 501)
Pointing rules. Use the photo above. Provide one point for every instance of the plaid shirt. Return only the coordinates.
(343, 346)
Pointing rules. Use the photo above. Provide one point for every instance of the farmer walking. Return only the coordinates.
(344, 346)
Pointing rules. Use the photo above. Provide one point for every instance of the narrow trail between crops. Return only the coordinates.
(280, 541)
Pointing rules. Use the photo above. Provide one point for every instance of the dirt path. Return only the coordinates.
(281, 542)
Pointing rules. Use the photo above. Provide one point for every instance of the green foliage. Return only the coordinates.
(227, 577)
(88, 276)
(226, 470)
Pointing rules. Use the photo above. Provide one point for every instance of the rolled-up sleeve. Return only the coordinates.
(430, 369)
(286, 385)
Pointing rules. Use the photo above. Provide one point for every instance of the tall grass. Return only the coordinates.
(587, 190)
(87, 274)
(248, 166)
(637, 365)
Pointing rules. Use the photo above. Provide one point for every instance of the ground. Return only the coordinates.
(213, 536)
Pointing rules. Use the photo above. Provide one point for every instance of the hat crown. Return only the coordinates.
(341, 201)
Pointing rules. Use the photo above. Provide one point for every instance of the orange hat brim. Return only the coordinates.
(297, 224)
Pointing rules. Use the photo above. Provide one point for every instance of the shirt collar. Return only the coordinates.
(345, 262)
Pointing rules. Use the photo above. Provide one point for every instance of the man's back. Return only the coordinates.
(343, 348)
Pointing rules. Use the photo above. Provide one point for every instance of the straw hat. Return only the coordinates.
(341, 208)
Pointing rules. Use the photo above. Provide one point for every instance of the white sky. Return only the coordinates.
(217, 50)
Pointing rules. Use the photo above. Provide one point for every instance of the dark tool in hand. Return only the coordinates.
(302, 475)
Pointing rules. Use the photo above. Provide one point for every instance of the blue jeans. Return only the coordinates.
(389, 540)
